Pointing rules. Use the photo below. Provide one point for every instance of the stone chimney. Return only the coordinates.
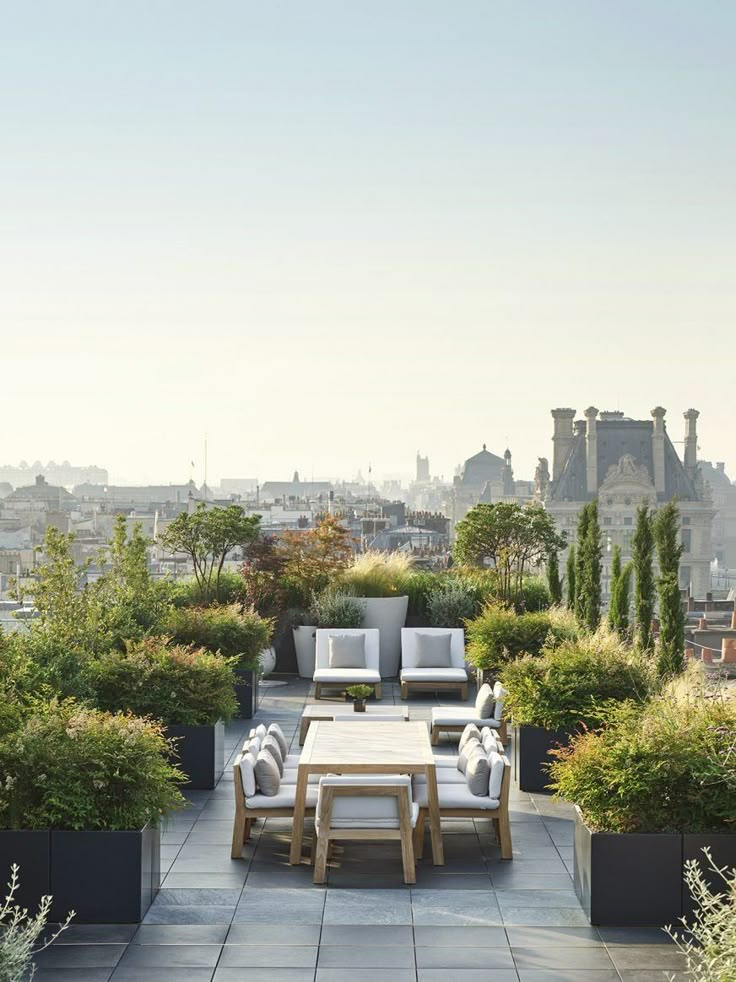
(691, 442)
(721, 466)
(562, 440)
(591, 449)
(658, 414)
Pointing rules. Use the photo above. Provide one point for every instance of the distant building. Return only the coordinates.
(146, 496)
(39, 497)
(239, 485)
(485, 478)
(723, 491)
(422, 469)
(65, 474)
(623, 463)
(293, 489)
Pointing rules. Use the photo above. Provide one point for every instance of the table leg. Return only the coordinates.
(297, 829)
(433, 807)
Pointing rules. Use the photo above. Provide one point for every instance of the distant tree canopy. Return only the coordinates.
(512, 538)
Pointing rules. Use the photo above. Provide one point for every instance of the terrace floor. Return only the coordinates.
(257, 919)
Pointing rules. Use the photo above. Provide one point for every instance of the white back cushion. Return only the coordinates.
(275, 730)
(363, 808)
(409, 644)
(497, 764)
(484, 702)
(322, 655)
(247, 774)
(499, 694)
(471, 732)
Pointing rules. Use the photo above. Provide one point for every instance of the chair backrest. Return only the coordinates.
(322, 657)
(353, 717)
(409, 644)
(364, 800)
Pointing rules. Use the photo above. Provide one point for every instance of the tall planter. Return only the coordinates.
(632, 880)
(246, 692)
(532, 755)
(723, 852)
(201, 754)
(305, 645)
(388, 614)
(106, 877)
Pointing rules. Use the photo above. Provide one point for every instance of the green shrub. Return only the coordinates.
(71, 767)
(189, 593)
(451, 603)
(499, 635)
(336, 609)
(226, 631)
(574, 684)
(171, 683)
(18, 687)
(419, 586)
(533, 596)
(378, 574)
(667, 766)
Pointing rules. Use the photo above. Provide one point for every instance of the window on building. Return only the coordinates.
(686, 521)
(607, 521)
(684, 577)
(685, 539)
(628, 521)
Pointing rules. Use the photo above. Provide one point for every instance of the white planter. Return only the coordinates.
(268, 661)
(305, 644)
(388, 614)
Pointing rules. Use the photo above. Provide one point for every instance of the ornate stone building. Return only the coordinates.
(488, 478)
(625, 462)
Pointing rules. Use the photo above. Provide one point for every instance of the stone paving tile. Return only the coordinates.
(80, 956)
(366, 956)
(268, 956)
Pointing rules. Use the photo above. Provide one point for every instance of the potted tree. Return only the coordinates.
(190, 690)
(358, 694)
(568, 688)
(236, 633)
(651, 790)
(80, 801)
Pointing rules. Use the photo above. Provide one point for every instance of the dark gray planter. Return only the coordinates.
(723, 851)
(246, 692)
(31, 851)
(201, 754)
(106, 877)
(630, 880)
(533, 744)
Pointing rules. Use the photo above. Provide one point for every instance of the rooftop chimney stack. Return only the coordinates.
(658, 414)
(691, 442)
(591, 449)
(562, 440)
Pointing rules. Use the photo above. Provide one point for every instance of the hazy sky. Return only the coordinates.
(330, 232)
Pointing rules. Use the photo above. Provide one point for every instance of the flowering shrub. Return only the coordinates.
(70, 767)
(170, 682)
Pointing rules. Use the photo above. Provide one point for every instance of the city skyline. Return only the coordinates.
(334, 235)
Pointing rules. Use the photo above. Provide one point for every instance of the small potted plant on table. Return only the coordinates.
(358, 694)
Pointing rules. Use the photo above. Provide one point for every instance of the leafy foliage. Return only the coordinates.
(227, 631)
(378, 574)
(574, 684)
(642, 557)
(18, 688)
(589, 567)
(187, 592)
(570, 577)
(171, 683)
(615, 574)
(359, 692)
(667, 766)
(553, 576)
(20, 933)
(671, 642)
(314, 558)
(621, 601)
(336, 609)
(451, 603)
(709, 939)
(262, 576)
(514, 539)
(207, 536)
(70, 767)
(499, 635)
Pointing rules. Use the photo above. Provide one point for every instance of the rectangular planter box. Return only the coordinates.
(246, 693)
(723, 851)
(201, 753)
(106, 877)
(628, 880)
(31, 851)
(533, 744)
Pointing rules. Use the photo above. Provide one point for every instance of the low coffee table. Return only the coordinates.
(328, 713)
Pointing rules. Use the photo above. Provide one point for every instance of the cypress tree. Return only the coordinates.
(580, 567)
(642, 553)
(620, 601)
(615, 574)
(570, 577)
(593, 569)
(671, 652)
(553, 576)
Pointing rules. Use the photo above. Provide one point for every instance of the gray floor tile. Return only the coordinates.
(452, 958)
(543, 937)
(171, 956)
(537, 898)
(96, 934)
(567, 975)
(647, 957)
(629, 936)
(544, 917)
(168, 934)
(367, 934)
(72, 975)
(468, 975)
(362, 975)
(560, 956)
(232, 880)
(268, 956)
(192, 897)
(370, 956)
(264, 975)
(133, 973)
(198, 914)
(80, 956)
(453, 937)
(274, 934)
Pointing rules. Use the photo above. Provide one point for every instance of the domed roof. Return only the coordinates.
(481, 468)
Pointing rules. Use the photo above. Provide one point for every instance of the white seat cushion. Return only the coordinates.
(347, 675)
(370, 823)
(367, 811)
(460, 716)
(284, 798)
(446, 776)
(433, 675)
(456, 796)
(445, 760)
(291, 774)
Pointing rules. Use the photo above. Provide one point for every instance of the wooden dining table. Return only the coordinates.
(367, 748)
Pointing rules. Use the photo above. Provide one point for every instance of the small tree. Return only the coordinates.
(589, 567)
(620, 601)
(314, 557)
(615, 574)
(642, 556)
(207, 536)
(580, 568)
(514, 539)
(570, 577)
(553, 576)
(671, 650)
